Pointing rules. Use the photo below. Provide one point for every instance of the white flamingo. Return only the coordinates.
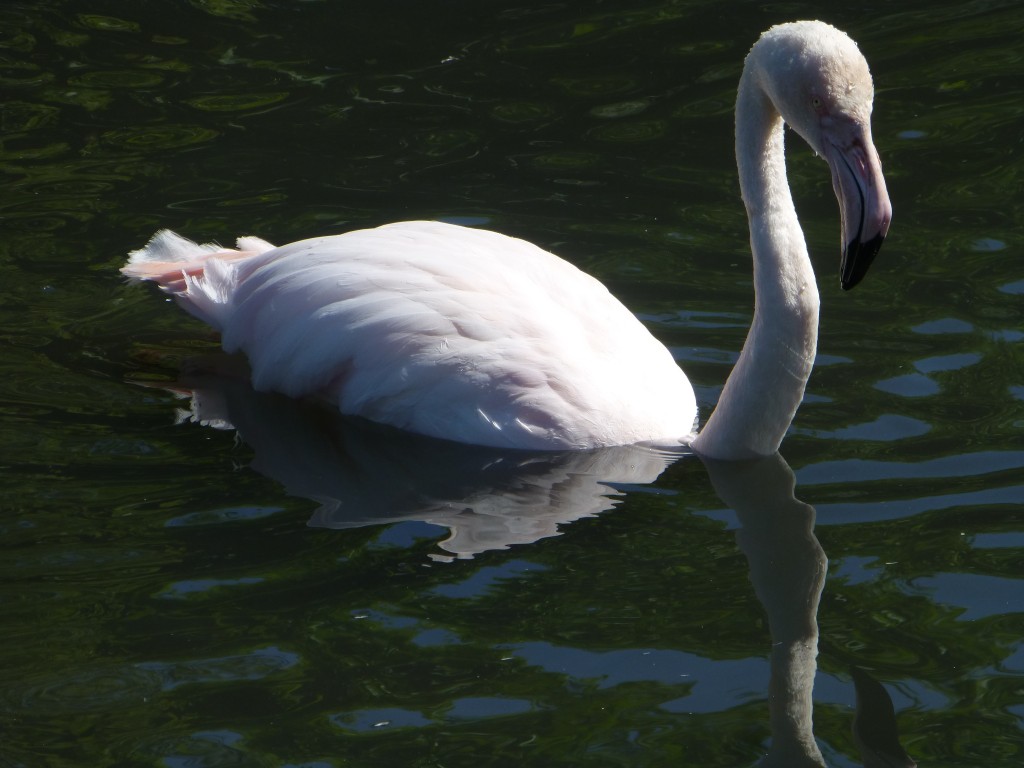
(476, 337)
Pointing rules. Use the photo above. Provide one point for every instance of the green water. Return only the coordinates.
(312, 594)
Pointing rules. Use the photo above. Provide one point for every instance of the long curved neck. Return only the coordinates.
(767, 383)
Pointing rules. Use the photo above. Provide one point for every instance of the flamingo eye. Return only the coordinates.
(816, 102)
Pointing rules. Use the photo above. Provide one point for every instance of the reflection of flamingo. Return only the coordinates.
(362, 474)
(874, 727)
(787, 569)
(479, 338)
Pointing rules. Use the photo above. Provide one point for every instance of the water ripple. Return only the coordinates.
(154, 138)
(857, 471)
(254, 665)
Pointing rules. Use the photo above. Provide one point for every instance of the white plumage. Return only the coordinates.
(477, 337)
(442, 330)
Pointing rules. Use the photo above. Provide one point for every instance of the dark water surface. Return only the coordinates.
(163, 600)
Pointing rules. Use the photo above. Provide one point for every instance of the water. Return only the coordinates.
(315, 594)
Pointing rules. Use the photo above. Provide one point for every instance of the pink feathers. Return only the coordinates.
(201, 277)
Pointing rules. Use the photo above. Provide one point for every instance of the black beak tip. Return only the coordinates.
(857, 259)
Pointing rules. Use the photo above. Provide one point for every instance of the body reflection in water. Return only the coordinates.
(366, 474)
(363, 474)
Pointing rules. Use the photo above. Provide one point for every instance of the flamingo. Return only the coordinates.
(473, 336)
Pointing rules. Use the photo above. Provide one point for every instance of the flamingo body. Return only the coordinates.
(457, 333)
(473, 336)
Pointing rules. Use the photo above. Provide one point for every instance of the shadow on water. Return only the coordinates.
(362, 474)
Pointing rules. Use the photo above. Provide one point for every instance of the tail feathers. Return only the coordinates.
(201, 277)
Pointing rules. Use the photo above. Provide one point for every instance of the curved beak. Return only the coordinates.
(863, 202)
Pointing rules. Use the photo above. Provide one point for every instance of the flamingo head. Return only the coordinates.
(821, 85)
